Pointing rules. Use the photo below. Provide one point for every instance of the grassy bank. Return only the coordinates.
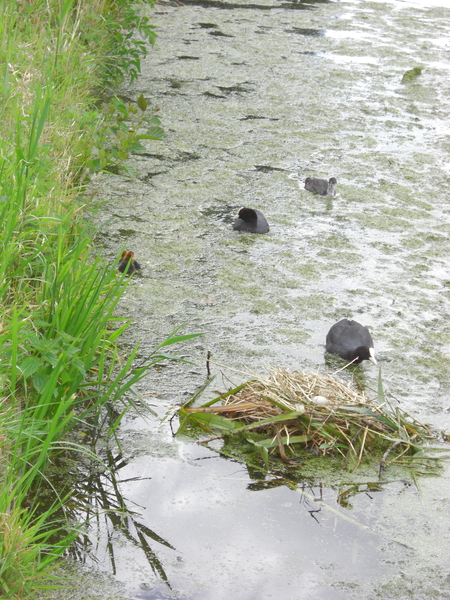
(58, 359)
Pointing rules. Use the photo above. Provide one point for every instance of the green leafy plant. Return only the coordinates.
(126, 49)
(118, 132)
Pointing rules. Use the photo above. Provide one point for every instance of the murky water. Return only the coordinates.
(254, 98)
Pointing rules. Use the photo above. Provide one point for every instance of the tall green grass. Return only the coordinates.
(59, 364)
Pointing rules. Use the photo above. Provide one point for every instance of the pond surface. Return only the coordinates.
(254, 97)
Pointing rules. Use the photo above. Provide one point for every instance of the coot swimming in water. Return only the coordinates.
(126, 259)
(251, 220)
(350, 340)
(321, 186)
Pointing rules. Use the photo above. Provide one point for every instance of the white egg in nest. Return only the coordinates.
(320, 400)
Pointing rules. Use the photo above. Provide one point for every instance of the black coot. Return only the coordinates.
(350, 340)
(251, 220)
(321, 186)
(127, 260)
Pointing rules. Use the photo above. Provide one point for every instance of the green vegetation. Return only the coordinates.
(59, 364)
(411, 74)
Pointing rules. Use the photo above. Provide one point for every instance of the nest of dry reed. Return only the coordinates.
(317, 410)
(283, 391)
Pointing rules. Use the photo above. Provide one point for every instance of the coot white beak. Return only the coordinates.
(372, 356)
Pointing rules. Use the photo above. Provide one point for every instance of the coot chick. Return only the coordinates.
(350, 340)
(321, 186)
(251, 220)
(127, 260)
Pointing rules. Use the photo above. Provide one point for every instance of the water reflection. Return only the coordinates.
(97, 498)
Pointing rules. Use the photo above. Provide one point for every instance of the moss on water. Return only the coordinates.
(316, 304)
(308, 271)
(293, 335)
(382, 222)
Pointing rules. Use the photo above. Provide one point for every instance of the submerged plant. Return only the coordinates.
(411, 74)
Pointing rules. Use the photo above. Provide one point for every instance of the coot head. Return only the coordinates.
(364, 353)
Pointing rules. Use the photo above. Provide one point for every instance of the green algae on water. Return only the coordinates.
(411, 74)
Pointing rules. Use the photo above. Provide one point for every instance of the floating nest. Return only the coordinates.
(315, 410)
(284, 391)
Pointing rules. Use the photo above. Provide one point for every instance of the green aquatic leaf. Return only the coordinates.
(293, 439)
(214, 421)
(262, 450)
(179, 338)
(411, 74)
(381, 398)
(142, 103)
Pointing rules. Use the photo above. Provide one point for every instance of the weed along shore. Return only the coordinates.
(60, 370)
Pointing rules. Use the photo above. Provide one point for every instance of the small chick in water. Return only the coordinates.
(321, 186)
(127, 260)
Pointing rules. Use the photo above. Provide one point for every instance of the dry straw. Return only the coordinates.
(316, 410)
